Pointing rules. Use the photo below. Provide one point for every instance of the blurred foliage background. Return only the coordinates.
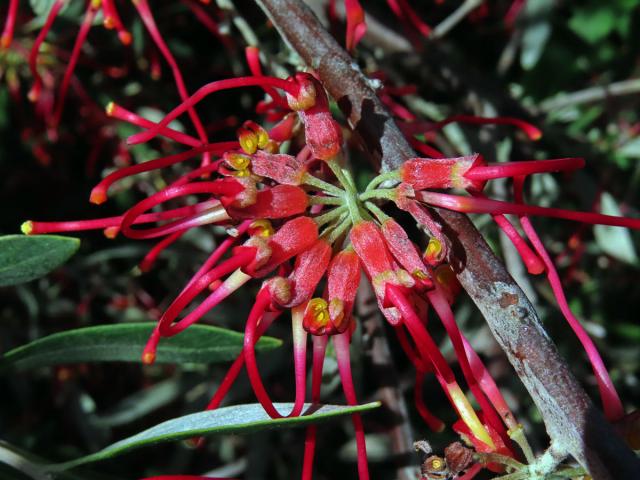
(573, 68)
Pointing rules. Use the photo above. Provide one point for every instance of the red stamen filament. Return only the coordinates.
(233, 372)
(205, 19)
(206, 214)
(530, 130)
(341, 345)
(90, 14)
(403, 10)
(147, 18)
(263, 301)
(116, 111)
(424, 149)
(433, 422)
(534, 265)
(208, 89)
(34, 93)
(489, 386)
(218, 253)
(110, 222)
(252, 55)
(319, 350)
(9, 25)
(151, 257)
(441, 306)
(514, 169)
(165, 326)
(428, 350)
(612, 405)
(480, 205)
(99, 192)
(112, 20)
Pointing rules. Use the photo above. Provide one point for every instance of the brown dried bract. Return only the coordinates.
(458, 457)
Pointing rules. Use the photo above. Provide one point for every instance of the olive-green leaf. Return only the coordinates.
(124, 343)
(238, 419)
(41, 7)
(24, 258)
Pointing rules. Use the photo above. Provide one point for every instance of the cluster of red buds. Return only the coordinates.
(297, 222)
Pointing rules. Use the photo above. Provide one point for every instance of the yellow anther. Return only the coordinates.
(262, 228)
(437, 464)
(96, 4)
(420, 274)
(248, 140)
(242, 173)
(27, 227)
(316, 316)
(110, 108)
(237, 161)
(262, 137)
(434, 248)
(320, 310)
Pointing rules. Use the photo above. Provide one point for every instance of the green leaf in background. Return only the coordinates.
(236, 419)
(536, 32)
(614, 241)
(41, 7)
(24, 258)
(124, 343)
(631, 149)
(593, 24)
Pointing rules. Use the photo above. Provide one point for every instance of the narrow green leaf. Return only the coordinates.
(536, 32)
(614, 241)
(124, 343)
(238, 419)
(24, 258)
(41, 7)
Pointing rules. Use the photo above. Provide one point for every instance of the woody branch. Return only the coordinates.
(575, 426)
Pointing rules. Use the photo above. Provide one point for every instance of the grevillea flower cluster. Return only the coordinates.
(298, 225)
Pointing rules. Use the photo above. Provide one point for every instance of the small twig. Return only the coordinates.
(592, 94)
(456, 17)
(22, 464)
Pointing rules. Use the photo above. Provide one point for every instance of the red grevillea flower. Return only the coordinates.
(298, 224)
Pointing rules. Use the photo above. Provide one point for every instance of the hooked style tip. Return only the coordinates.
(5, 41)
(98, 196)
(148, 358)
(33, 95)
(110, 108)
(27, 227)
(125, 37)
(534, 134)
